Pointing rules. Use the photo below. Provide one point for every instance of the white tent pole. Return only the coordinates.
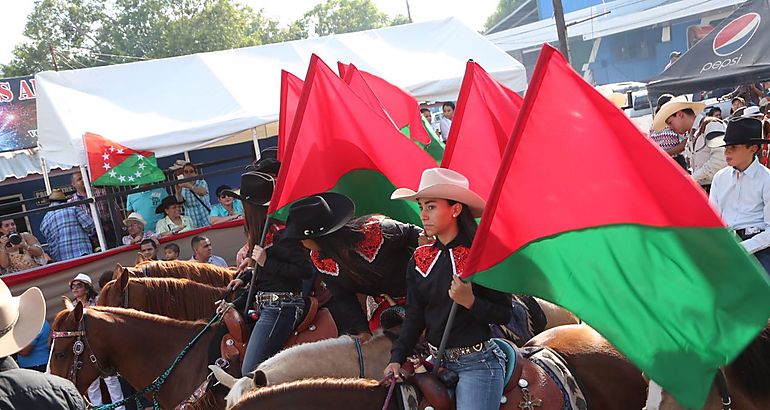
(186, 156)
(92, 205)
(257, 153)
(46, 179)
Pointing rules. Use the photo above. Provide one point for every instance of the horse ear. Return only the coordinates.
(78, 312)
(67, 303)
(123, 279)
(260, 379)
(116, 273)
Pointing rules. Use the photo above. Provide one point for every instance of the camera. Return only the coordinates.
(13, 239)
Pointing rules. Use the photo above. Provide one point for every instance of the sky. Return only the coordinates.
(472, 13)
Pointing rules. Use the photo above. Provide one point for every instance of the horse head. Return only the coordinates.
(114, 293)
(70, 350)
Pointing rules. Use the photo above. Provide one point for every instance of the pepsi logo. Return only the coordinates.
(736, 34)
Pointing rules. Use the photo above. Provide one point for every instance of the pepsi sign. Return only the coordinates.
(736, 34)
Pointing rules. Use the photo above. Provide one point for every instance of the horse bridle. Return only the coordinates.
(78, 348)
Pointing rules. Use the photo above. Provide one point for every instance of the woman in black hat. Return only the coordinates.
(366, 255)
(174, 222)
(285, 265)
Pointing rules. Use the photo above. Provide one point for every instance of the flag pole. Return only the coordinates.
(445, 337)
(257, 269)
(92, 205)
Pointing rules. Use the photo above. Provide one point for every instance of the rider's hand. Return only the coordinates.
(393, 369)
(259, 255)
(461, 292)
(245, 264)
(423, 240)
(363, 337)
(234, 284)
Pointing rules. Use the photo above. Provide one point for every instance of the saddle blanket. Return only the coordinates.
(556, 368)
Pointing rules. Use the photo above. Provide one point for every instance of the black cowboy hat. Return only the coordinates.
(318, 215)
(256, 188)
(167, 202)
(267, 162)
(744, 130)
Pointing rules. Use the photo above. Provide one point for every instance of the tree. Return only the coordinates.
(345, 16)
(504, 8)
(87, 33)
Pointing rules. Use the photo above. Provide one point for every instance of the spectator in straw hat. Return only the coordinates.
(67, 230)
(672, 138)
(21, 319)
(135, 225)
(741, 192)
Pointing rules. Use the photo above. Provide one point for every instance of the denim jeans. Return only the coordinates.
(763, 257)
(276, 322)
(481, 377)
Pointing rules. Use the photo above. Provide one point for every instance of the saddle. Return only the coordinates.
(527, 386)
(317, 324)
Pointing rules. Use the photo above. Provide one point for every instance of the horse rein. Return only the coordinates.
(78, 348)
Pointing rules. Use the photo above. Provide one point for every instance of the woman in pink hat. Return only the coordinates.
(447, 210)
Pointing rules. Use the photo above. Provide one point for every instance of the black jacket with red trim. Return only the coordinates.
(429, 277)
(381, 259)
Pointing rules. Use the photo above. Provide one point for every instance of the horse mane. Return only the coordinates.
(144, 316)
(197, 301)
(207, 273)
(310, 384)
(752, 367)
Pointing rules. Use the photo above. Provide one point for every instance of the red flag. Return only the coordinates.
(357, 83)
(332, 148)
(115, 164)
(402, 108)
(291, 88)
(483, 121)
(588, 213)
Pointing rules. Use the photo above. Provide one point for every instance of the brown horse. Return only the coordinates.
(195, 271)
(747, 379)
(138, 345)
(607, 379)
(316, 394)
(180, 299)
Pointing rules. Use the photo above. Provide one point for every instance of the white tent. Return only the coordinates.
(178, 104)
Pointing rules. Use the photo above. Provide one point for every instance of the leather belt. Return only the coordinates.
(454, 353)
(747, 233)
(265, 297)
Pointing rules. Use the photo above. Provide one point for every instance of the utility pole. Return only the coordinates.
(561, 28)
(53, 57)
(408, 11)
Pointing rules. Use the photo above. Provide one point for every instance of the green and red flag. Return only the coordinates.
(399, 105)
(586, 212)
(483, 122)
(291, 89)
(113, 164)
(339, 143)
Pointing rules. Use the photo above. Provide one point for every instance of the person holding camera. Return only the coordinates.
(19, 251)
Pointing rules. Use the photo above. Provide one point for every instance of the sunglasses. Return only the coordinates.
(77, 286)
(223, 196)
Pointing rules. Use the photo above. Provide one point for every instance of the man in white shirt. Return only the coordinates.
(446, 121)
(741, 191)
(202, 252)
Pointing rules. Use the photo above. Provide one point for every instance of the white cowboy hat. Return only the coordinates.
(82, 277)
(670, 108)
(714, 132)
(135, 217)
(446, 184)
(21, 318)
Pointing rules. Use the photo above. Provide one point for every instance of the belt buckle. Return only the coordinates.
(478, 347)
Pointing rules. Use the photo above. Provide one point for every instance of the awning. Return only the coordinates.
(185, 103)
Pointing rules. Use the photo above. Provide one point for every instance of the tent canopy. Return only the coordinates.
(178, 104)
(735, 52)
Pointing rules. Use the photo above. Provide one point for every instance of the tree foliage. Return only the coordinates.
(87, 33)
(504, 8)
